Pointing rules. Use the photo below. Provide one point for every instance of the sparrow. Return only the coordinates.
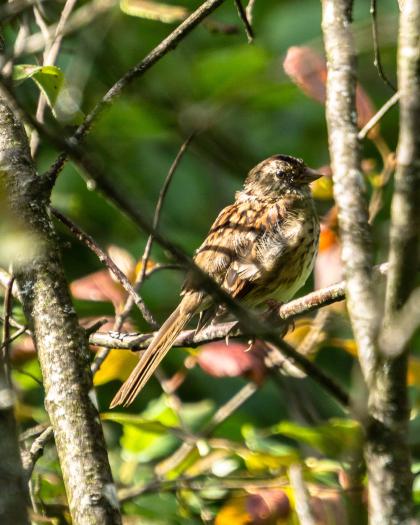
(260, 249)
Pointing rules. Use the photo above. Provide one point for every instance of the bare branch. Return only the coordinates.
(244, 17)
(405, 216)
(31, 456)
(386, 425)
(377, 117)
(158, 209)
(250, 10)
(301, 495)
(377, 55)
(109, 263)
(6, 329)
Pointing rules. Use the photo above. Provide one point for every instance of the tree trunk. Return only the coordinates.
(61, 343)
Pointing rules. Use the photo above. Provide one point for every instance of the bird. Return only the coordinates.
(260, 249)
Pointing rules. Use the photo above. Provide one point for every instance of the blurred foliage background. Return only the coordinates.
(243, 107)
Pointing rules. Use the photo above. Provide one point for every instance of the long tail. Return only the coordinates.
(158, 348)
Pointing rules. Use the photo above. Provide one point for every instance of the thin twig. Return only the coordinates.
(159, 205)
(377, 60)
(109, 263)
(377, 117)
(6, 328)
(250, 11)
(13, 337)
(301, 495)
(168, 44)
(31, 456)
(199, 483)
(244, 17)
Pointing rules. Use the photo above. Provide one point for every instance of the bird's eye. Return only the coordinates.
(279, 174)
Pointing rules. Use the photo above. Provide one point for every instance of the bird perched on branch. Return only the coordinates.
(260, 248)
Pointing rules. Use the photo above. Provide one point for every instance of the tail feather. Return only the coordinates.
(152, 357)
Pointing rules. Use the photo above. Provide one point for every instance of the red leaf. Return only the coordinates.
(267, 504)
(219, 360)
(308, 70)
(98, 286)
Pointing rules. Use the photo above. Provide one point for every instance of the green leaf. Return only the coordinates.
(151, 434)
(335, 438)
(49, 79)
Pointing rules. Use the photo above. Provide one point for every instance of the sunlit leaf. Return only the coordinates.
(49, 79)
(154, 10)
(148, 436)
(123, 259)
(322, 188)
(117, 365)
(337, 437)
(234, 511)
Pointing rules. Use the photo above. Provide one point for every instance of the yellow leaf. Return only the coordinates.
(154, 10)
(322, 188)
(117, 365)
(234, 511)
(150, 265)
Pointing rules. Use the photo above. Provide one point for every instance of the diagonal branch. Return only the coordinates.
(109, 263)
(168, 44)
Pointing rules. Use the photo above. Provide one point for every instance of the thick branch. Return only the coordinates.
(349, 191)
(61, 343)
(390, 495)
(405, 211)
(386, 451)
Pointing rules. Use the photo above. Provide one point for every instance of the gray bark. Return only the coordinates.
(386, 451)
(61, 344)
(13, 489)
(390, 496)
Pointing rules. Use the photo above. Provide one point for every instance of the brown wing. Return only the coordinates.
(231, 252)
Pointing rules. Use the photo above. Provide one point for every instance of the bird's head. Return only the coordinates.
(279, 174)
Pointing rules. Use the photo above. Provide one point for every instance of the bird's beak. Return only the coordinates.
(309, 175)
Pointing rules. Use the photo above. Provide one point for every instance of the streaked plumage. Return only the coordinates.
(260, 247)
